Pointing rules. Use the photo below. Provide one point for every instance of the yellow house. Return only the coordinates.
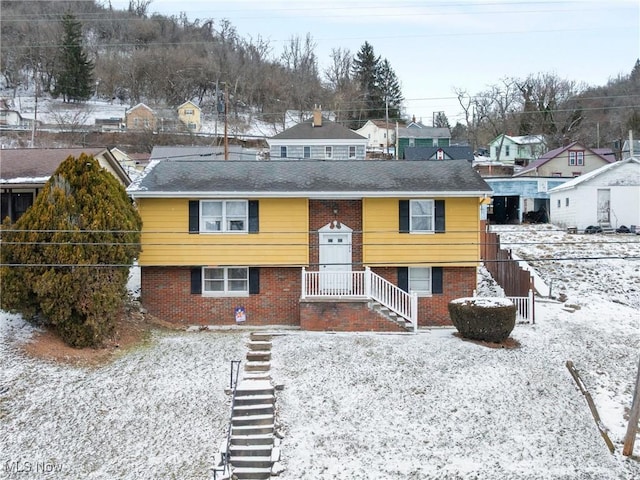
(343, 245)
(189, 114)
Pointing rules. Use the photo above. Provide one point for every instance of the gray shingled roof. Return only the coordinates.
(236, 152)
(327, 131)
(175, 178)
(34, 165)
(454, 152)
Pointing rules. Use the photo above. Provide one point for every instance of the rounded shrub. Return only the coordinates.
(490, 319)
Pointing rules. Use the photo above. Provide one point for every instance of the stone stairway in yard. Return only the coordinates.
(253, 444)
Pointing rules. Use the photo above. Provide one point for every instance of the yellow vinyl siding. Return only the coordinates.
(282, 240)
(384, 245)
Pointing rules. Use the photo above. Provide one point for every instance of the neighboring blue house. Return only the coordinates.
(521, 199)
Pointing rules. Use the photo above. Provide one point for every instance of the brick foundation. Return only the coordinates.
(166, 294)
(344, 316)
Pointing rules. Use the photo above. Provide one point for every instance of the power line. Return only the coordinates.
(529, 260)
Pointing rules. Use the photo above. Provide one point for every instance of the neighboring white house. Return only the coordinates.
(516, 150)
(380, 134)
(606, 197)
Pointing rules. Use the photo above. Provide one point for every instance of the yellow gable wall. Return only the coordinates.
(283, 238)
(384, 245)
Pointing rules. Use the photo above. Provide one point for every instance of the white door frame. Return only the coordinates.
(604, 205)
(335, 257)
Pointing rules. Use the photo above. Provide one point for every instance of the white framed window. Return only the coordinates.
(224, 216)
(420, 280)
(412, 142)
(306, 152)
(507, 150)
(225, 281)
(352, 152)
(576, 158)
(566, 202)
(283, 152)
(188, 111)
(328, 152)
(559, 203)
(421, 215)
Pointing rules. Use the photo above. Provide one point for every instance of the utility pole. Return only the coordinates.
(226, 114)
(386, 118)
(35, 115)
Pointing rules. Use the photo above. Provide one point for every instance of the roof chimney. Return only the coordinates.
(317, 116)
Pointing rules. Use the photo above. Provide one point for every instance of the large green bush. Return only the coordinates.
(66, 260)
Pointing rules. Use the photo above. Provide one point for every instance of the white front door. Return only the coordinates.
(604, 205)
(335, 262)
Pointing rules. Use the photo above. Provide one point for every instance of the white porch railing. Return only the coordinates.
(361, 284)
(525, 307)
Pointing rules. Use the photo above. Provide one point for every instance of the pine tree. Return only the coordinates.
(73, 79)
(390, 89)
(365, 73)
(66, 260)
(441, 121)
(378, 84)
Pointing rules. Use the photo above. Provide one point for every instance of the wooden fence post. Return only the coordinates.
(592, 405)
(634, 416)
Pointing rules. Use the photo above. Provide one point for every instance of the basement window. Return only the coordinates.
(225, 281)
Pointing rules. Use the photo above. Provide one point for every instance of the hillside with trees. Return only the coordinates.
(132, 56)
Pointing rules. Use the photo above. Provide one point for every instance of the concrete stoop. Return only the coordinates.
(254, 447)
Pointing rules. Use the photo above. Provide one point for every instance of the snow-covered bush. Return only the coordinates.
(490, 319)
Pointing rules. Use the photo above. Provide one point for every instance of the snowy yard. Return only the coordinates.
(359, 406)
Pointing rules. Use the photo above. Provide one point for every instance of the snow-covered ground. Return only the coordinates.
(52, 113)
(359, 406)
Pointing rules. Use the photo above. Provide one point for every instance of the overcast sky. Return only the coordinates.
(436, 46)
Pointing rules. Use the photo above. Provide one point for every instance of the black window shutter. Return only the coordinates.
(403, 278)
(194, 216)
(196, 280)
(254, 221)
(436, 280)
(403, 216)
(439, 207)
(254, 280)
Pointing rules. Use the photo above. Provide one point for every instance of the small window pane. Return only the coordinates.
(212, 209)
(307, 152)
(238, 281)
(214, 279)
(236, 208)
(420, 279)
(236, 225)
(421, 223)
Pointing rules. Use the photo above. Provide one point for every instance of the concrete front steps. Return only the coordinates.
(390, 315)
(252, 452)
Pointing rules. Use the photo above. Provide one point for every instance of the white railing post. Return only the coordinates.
(532, 311)
(367, 282)
(303, 287)
(414, 311)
